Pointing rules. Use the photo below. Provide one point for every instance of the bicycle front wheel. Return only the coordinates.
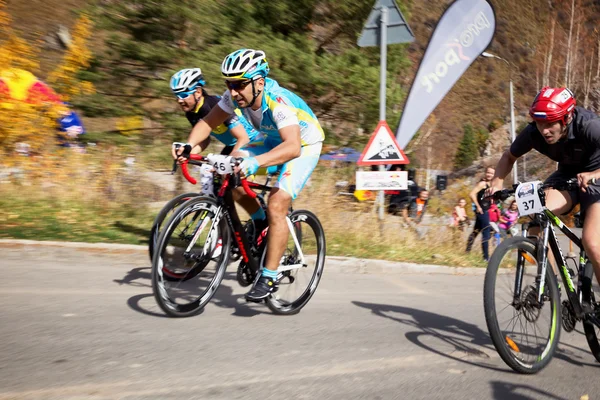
(524, 330)
(164, 215)
(302, 264)
(190, 258)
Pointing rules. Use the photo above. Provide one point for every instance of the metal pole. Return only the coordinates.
(383, 65)
(512, 128)
(382, 89)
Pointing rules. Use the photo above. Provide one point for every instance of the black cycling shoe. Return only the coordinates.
(262, 289)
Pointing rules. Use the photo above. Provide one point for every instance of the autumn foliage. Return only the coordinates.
(32, 124)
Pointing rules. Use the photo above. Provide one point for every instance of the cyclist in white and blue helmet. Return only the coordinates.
(188, 86)
(292, 138)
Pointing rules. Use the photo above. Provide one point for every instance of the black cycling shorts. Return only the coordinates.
(226, 150)
(585, 199)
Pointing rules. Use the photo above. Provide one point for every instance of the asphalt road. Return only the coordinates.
(80, 324)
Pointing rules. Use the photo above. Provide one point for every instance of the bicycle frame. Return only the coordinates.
(227, 208)
(549, 240)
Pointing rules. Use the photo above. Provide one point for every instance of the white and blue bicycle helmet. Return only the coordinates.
(186, 81)
(245, 64)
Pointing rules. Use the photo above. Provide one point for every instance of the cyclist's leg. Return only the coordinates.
(293, 177)
(252, 149)
(590, 206)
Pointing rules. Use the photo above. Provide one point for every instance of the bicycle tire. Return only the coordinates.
(162, 215)
(489, 293)
(276, 305)
(166, 303)
(591, 335)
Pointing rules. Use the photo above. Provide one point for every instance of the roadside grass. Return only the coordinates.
(105, 201)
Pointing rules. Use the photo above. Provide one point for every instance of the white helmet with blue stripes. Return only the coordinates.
(187, 80)
(245, 64)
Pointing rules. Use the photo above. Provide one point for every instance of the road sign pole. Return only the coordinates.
(382, 89)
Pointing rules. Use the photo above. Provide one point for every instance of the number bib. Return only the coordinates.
(528, 199)
(221, 163)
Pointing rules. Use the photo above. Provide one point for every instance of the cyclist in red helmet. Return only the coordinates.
(569, 135)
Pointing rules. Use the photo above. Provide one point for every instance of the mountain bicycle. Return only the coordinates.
(187, 266)
(521, 292)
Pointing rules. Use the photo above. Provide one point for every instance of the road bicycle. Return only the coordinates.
(188, 266)
(168, 209)
(521, 295)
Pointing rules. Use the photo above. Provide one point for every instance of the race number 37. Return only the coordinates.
(528, 198)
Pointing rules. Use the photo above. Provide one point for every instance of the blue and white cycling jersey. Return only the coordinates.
(280, 108)
(222, 132)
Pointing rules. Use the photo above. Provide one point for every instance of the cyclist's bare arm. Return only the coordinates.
(201, 131)
(505, 165)
(287, 150)
(204, 144)
(241, 136)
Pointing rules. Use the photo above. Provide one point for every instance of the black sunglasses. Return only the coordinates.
(237, 85)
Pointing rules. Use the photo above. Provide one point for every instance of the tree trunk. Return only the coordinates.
(546, 80)
(569, 43)
(598, 67)
(588, 82)
(574, 59)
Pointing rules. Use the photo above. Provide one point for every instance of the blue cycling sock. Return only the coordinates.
(260, 214)
(269, 274)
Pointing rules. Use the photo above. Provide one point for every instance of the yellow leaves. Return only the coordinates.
(4, 17)
(21, 122)
(87, 88)
(77, 57)
(16, 53)
(33, 127)
(130, 125)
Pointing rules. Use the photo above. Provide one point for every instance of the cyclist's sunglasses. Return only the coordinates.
(237, 85)
(184, 95)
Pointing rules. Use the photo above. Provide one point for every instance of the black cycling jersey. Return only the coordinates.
(208, 102)
(578, 152)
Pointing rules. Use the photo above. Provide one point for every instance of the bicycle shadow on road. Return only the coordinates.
(452, 338)
(507, 390)
(224, 297)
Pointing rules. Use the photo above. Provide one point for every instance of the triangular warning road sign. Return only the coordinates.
(382, 148)
(398, 30)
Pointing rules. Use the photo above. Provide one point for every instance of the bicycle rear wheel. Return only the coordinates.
(190, 258)
(524, 331)
(592, 331)
(301, 268)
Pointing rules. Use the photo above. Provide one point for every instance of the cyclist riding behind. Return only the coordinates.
(293, 139)
(188, 86)
(569, 135)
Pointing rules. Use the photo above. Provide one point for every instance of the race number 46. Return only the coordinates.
(221, 163)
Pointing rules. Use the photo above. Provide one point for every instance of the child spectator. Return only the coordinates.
(494, 213)
(459, 215)
(508, 220)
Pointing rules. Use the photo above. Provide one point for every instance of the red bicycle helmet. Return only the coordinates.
(552, 104)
